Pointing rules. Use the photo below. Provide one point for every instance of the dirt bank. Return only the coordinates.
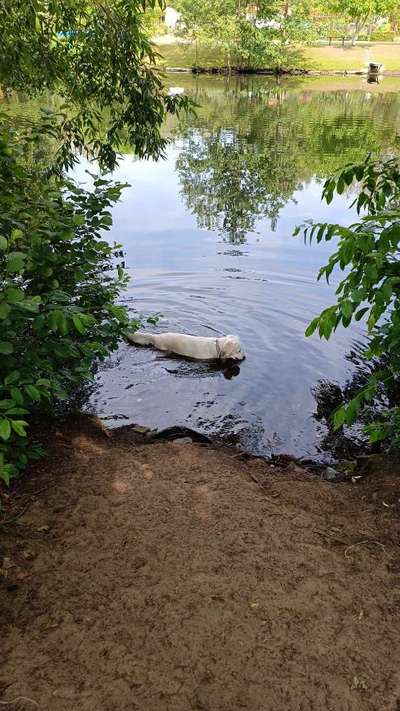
(173, 576)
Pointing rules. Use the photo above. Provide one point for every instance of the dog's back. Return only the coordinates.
(196, 347)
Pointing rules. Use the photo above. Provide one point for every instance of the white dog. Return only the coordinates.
(196, 347)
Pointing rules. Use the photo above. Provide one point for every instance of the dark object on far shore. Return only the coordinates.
(374, 69)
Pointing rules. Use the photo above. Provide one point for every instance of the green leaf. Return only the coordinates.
(53, 321)
(12, 377)
(377, 432)
(77, 321)
(79, 219)
(3, 244)
(43, 382)
(17, 396)
(6, 471)
(352, 409)
(312, 327)
(14, 295)
(67, 235)
(31, 305)
(16, 262)
(346, 308)
(358, 316)
(5, 404)
(340, 186)
(4, 309)
(19, 427)
(6, 347)
(62, 323)
(33, 392)
(339, 418)
(5, 429)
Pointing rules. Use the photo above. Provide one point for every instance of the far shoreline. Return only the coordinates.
(238, 71)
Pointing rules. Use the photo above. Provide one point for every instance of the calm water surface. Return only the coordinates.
(208, 241)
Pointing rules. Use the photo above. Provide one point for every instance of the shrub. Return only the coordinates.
(59, 285)
(368, 253)
(383, 36)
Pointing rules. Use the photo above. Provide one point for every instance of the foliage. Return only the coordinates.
(97, 57)
(211, 24)
(368, 252)
(361, 12)
(58, 290)
(253, 144)
(247, 39)
(152, 21)
(229, 185)
(59, 283)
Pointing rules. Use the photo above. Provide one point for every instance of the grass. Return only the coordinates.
(352, 58)
(184, 55)
(318, 58)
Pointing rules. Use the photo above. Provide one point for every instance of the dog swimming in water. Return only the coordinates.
(225, 348)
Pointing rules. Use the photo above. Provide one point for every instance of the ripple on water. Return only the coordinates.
(208, 236)
(267, 405)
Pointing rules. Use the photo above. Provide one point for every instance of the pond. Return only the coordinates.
(208, 238)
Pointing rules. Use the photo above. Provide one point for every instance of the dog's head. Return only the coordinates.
(230, 348)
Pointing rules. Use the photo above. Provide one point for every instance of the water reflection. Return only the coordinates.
(229, 183)
(246, 170)
(253, 146)
(207, 235)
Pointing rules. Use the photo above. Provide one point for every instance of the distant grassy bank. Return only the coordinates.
(334, 58)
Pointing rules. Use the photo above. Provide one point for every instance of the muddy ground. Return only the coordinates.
(175, 576)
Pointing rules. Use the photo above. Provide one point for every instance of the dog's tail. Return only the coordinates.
(141, 339)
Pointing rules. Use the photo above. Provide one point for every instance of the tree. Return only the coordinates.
(277, 140)
(229, 185)
(212, 24)
(394, 19)
(60, 280)
(361, 12)
(368, 251)
(96, 55)
(248, 36)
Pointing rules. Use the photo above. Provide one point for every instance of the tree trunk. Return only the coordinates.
(358, 26)
(286, 9)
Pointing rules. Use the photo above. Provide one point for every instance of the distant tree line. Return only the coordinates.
(261, 34)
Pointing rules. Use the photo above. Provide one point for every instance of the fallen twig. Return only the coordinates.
(327, 534)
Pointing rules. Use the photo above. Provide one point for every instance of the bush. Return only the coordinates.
(59, 284)
(383, 36)
(368, 252)
(377, 36)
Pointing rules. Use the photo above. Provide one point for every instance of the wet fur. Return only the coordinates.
(225, 348)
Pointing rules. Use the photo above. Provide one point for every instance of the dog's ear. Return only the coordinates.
(231, 348)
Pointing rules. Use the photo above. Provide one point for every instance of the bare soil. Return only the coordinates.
(175, 576)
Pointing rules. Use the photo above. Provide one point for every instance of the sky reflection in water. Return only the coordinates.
(208, 241)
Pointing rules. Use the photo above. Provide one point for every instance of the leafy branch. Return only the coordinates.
(368, 252)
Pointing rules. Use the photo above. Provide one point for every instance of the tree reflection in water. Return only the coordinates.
(254, 145)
